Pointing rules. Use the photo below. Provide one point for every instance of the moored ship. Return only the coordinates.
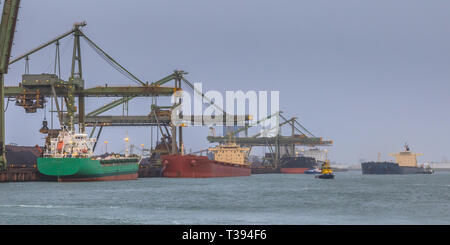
(230, 160)
(297, 164)
(308, 161)
(70, 157)
(319, 154)
(406, 163)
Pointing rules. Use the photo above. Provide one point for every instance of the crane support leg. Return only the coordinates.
(81, 113)
(180, 139)
(2, 126)
(7, 29)
(174, 140)
(98, 137)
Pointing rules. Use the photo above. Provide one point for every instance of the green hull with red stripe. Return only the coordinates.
(89, 169)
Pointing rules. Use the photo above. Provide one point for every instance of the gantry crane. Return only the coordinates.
(298, 137)
(7, 29)
(34, 89)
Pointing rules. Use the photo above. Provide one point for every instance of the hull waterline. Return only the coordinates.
(85, 169)
(190, 166)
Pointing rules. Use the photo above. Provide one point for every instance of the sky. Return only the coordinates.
(369, 75)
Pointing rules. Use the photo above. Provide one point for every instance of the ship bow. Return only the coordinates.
(58, 166)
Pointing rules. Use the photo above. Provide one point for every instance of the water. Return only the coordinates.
(351, 198)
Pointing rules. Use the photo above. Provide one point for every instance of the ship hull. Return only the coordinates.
(189, 166)
(85, 169)
(293, 170)
(265, 170)
(325, 176)
(390, 168)
(297, 165)
(82, 178)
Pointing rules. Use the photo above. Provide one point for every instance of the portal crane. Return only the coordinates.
(33, 90)
(7, 29)
(298, 137)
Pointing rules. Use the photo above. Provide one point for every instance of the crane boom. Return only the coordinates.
(7, 29)
(231, 134)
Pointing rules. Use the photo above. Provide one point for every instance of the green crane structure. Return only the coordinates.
(298, 137)
(34, 89)
(7, 29)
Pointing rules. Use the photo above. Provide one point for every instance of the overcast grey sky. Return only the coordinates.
(370, 75)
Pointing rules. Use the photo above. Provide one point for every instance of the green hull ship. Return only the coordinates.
(86, 169)
(69, 157)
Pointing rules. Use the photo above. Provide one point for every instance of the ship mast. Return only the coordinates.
(127, 146)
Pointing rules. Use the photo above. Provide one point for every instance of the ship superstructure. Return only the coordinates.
(406, 158)
(70, 144)
(316, 153)
(230, 153)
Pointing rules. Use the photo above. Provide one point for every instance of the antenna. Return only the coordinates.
(406, 147)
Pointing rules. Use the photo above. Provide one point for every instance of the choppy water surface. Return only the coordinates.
(351, 198)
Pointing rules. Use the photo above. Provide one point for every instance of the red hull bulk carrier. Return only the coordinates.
(190, 166)
(230, 160)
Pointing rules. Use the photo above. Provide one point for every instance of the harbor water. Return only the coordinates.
(351, 198)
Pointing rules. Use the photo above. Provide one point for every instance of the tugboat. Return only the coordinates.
(327, 172)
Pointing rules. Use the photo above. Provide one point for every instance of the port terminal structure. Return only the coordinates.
(7, 29)
(35, 90)
(299, 136)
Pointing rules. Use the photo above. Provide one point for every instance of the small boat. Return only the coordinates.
(325, 176)
(428, 170)
(327, 172)
(312, 171)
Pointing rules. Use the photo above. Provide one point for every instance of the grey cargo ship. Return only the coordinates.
(406, 163)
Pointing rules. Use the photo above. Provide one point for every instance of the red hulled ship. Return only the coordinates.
(230, 160)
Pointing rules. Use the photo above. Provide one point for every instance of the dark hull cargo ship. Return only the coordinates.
(406, 163)
(297, 165)
(391, 168)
